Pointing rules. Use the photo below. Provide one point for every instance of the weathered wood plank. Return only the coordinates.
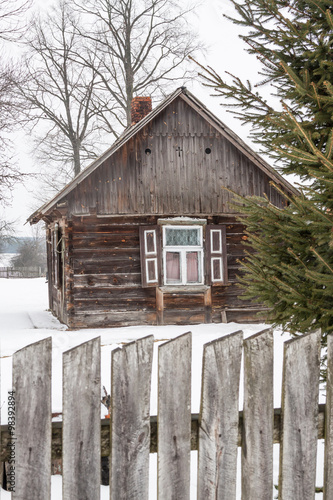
(174, 418)
(32, 416)
(130, 420)
(178, 317)
(102, 319)
(300, 388)
(81, 421)
(328, 463)
(258, 417)
(218, 424)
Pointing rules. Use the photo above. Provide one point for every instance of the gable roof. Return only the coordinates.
(129, 132)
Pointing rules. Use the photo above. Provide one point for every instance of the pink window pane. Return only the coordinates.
(172, 267)
(192, 262)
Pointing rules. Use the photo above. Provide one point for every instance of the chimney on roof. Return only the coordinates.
(140, 107)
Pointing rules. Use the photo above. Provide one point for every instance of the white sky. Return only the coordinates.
(226, 53)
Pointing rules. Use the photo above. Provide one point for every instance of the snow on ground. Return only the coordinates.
(24, 319)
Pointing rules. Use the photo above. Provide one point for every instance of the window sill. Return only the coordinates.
(184, 288)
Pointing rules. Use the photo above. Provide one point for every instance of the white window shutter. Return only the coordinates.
(150, 252)
(216, 255)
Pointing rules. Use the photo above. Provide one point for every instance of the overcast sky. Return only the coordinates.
(226, 52)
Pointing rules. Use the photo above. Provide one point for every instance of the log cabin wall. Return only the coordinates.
(105, 286)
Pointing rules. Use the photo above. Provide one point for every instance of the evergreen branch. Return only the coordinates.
(321, 259)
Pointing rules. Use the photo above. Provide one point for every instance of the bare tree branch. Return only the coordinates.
(60, 93)
(143, 46)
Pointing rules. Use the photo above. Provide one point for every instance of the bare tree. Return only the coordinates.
(143, 47)
(85, 61)
(31, 251)
(12, 18)
(60, 93)
(12, 27)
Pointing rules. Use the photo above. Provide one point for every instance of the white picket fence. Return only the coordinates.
(218, 421)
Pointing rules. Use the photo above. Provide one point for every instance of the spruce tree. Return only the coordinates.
(291, 270)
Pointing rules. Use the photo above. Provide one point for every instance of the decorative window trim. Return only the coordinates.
(181, 221)
(153, 232)
(183, 250)
(150, 277)
(216, 254)
(216, 231)
(155, 278)
(211, 265)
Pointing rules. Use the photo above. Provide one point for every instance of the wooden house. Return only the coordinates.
(147, 234)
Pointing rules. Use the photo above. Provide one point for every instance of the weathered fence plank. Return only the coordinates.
(328, 464)
(32, 428)
(174, 418)
(81, 422)
(130, 420)
(258, 417)
(218, 421)
(300, 389)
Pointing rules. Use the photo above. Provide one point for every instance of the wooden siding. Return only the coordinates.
(103, 279)
(178, 177)
(107, 275)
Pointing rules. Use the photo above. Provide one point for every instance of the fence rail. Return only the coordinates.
(217, 432)
(22, 272)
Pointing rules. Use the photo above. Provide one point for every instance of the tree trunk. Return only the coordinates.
(76, 159)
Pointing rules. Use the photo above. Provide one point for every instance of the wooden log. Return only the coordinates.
(174, 418)
(328, 463)
(81, 443)
(31, 438)
(218, 424)
(300, 388)
(258, 417)
(130, 420)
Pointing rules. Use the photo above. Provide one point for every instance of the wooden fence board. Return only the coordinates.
(328, 464)
(218, 424)
(130, 420)
(258, 417)
(174, 418)
(300, 389)
(32, 433)
(81, 422)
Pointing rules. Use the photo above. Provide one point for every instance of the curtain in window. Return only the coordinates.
(172, 267)
(192, 265)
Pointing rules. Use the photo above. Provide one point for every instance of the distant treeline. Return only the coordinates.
(12, 245)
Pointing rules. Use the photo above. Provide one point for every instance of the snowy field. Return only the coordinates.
(24, 319)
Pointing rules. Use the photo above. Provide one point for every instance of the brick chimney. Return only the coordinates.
(140, 107)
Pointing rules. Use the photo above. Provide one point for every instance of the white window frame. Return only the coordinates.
(183, 250)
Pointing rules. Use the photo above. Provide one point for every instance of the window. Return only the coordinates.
(183, 255)
(174, 254)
